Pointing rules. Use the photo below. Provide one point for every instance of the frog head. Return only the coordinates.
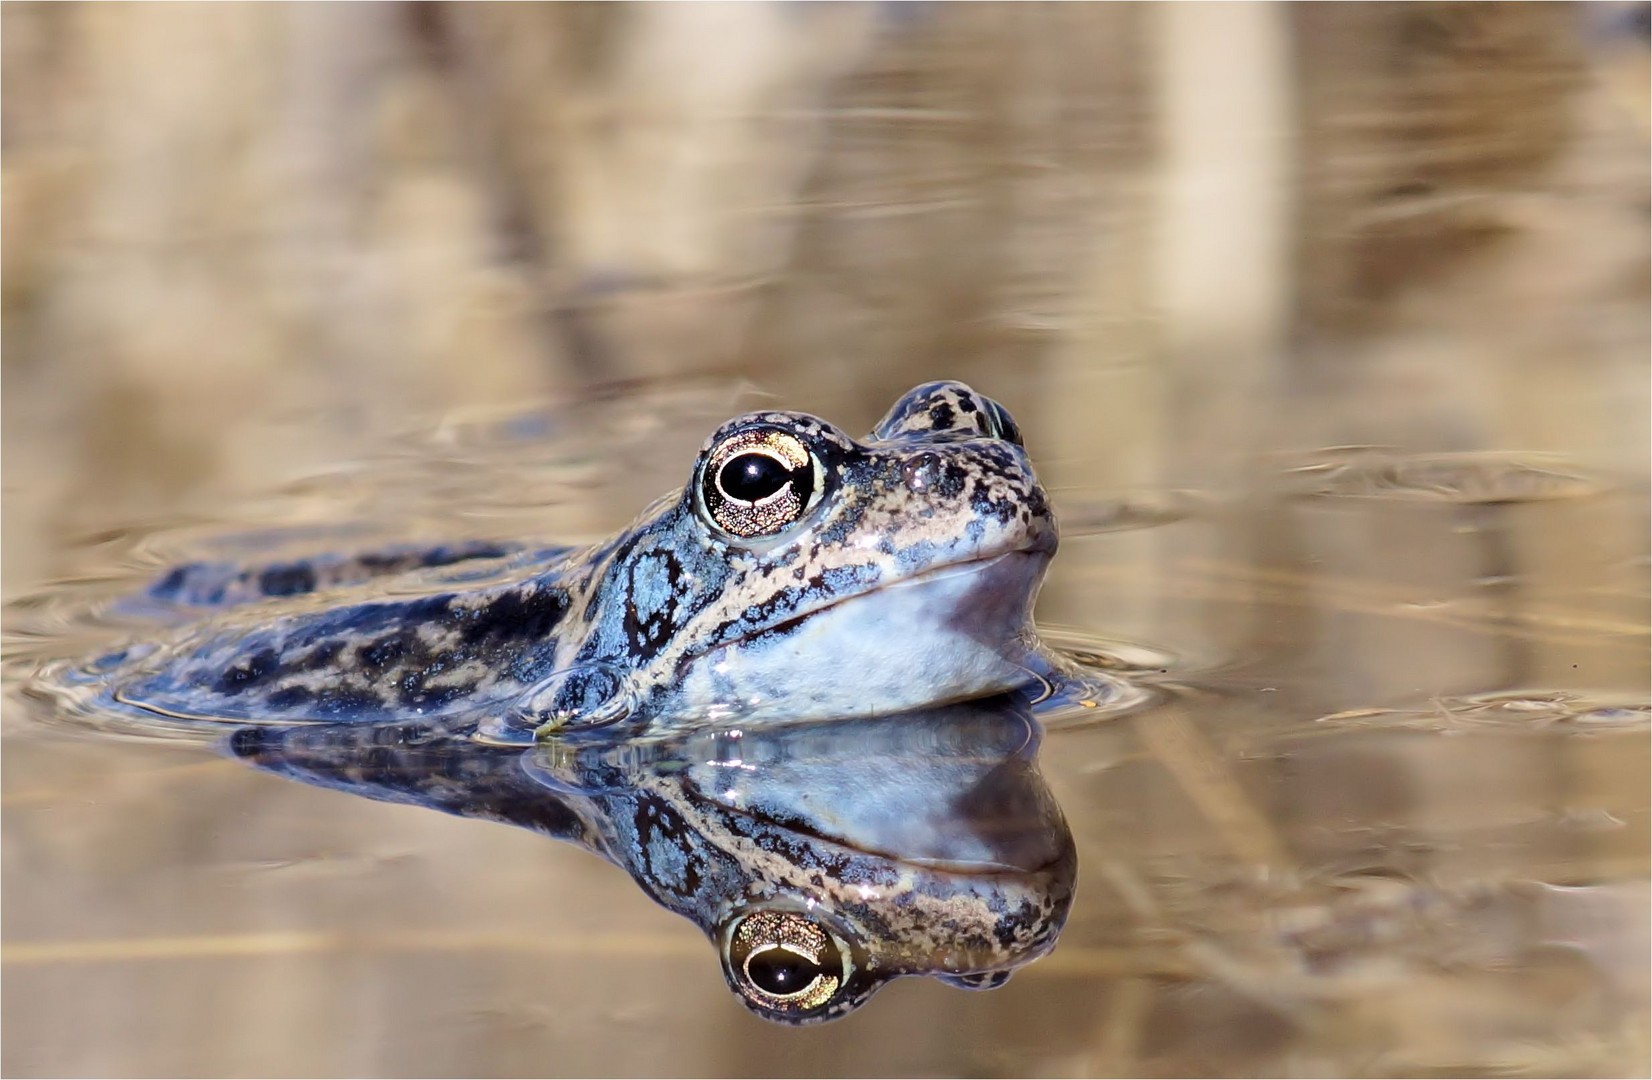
(804, 574)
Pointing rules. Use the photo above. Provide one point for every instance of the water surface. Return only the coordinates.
(1381, 808)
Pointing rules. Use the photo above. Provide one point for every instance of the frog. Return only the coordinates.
(821, 859)
(798, 574)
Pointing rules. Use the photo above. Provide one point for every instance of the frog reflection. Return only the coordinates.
(822, 859)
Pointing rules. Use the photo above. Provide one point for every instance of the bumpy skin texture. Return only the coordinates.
(226, 584)
(908, 582)
(952, 861)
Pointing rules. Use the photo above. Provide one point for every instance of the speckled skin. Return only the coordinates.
(908, 583)
(926, 844)
(209, 585)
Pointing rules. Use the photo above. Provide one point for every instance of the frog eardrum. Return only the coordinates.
(760, 481)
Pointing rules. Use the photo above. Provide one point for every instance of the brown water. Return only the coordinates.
(1388, 817)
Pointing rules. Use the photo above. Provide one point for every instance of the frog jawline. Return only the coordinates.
(963, 567)
(982, 869)
(969, 637)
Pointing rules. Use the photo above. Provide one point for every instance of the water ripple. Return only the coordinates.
(1566, 711)
(1363, 472)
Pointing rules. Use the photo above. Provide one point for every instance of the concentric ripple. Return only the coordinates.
(1098, 679)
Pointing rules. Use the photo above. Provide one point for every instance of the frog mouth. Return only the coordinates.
(991, 603)
(983, 564)
(1038, 855)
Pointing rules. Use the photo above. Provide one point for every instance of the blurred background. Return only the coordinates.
(1154, 232)
(245, 243)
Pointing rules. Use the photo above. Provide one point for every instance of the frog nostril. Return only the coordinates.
(921, 472)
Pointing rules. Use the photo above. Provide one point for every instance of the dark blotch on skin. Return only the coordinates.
(290, 579)
(342, 704)
(948, 480)
(256, 669)
(430, 609)
(941, 416)
(377, 563)
(248, 742)
(448, 556)
(290, 697)
(585, 690)
(170, 585)
(383, 564)
(381, 654)
(516, 616)
(531, 667)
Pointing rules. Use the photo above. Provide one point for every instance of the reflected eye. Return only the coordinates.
(784, 961)
(757, 483)
(782, 972)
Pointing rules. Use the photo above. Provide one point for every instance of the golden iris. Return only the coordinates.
(785, 961)
(758, 482)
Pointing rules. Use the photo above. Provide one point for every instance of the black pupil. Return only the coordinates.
(751, 477)
(781, 972)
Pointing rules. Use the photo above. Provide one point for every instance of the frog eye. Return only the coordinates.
(1000, 425)
(758, 482)
(785, 963)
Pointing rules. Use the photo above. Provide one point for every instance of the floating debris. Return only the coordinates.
(1130, 510)
(1530, 710)
(1459, 478)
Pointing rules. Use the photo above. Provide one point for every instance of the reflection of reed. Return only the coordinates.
(526, 941)
(1201, 579)
(1177, 744)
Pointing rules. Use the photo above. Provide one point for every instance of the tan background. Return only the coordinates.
(1151, 230)
(246, 244)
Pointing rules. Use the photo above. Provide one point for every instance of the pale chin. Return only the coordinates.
(955, 633)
